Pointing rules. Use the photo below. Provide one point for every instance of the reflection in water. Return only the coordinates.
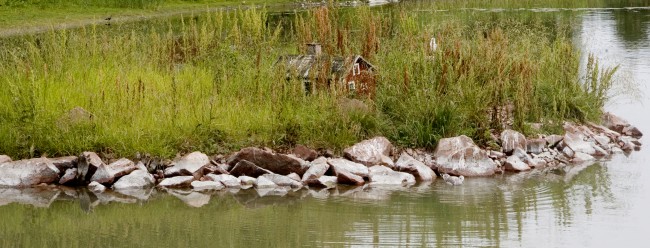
(600, 205)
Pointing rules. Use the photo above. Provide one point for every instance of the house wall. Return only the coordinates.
(365, 82)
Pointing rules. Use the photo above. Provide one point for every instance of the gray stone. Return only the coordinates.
(553, 140)
(106, 174)
(514, 163)
(264, 183)
(295, 177)
(614, 122)
(576, 142)
(246, 180)
(276, 163)
(582, 158)
(64, 163)
(345, 177)
(4, 159)
(87, 164)
(632, 131)
(370, 152)
(96, 187)
(28, 172)
(187, 165)
(460, 156)
(206, 185)
(69, 176)
(176, 182)
(316, 170)
(510, 140)
(535, 146)
(352, 167)
(227, 180)
(453, 180)
(323, 182)
(135, 180)
(391, 178)
(281, 180)
(408, 164)
(602, 140)
(247, 168)
(304, 153)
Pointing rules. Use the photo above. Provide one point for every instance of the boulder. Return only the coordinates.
(69, 176)
(511, 139)
(246, 180)
(276, 163)
(247, 168)
(460, 156)
(614, 122)
(345, 177)
(535, 146)
(264, 183)
(87, 165)
(135, 180)
(628, 143)
(295, 177)
(96, 187)
(632, 131)
(106, 174)
(28, 172)
(281, 180)
(391, 178)
(323, 182)
(176, 182)
(206, 185)
(187, 165)
(577, 143)
(553, 140)
(64, 163)
(602, 140)
(316, 170)
(582, 158)
(379, 169)
(352, 167)
(371, 152)
(304, 153)
(408, 164)
(227, 180)
(4, 159)
(514, 163)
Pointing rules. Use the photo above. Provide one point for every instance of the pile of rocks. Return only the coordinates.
(370, 162)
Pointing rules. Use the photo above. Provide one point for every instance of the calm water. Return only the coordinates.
(602, 205)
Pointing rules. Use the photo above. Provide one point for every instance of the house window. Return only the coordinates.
(352, 86)
(356, 70)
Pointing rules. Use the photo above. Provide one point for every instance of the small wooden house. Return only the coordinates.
(353, 74)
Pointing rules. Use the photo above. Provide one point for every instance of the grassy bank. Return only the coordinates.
(211, 83)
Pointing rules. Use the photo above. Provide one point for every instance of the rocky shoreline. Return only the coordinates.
(370, 163)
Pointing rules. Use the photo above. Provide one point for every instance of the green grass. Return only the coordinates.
(210, 83)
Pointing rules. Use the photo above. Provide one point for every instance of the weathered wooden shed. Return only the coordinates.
(317, 71)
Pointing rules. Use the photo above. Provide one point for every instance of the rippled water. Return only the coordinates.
(602, 205)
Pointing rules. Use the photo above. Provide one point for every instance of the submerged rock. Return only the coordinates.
(28, 172)
(514, 163)
(276, 163)
(227, 180)
(511, 140)
(96, 187)
(188, 164)
(452, 180)
(391, 178)
(408, 164)
(136, 179)
(460, 156)
(263, 183)
(371, 152)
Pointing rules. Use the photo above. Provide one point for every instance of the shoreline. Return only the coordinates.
(370, 163)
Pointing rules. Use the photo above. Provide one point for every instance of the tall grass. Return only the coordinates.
(212, 83)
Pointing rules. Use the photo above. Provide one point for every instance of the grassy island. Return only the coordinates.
(210, 82)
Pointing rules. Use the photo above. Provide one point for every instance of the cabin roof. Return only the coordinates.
(302, 65)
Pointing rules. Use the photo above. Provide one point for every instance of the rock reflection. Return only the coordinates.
(38, 197)
(191, 198)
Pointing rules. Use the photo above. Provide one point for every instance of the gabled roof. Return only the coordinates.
(303, 65)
